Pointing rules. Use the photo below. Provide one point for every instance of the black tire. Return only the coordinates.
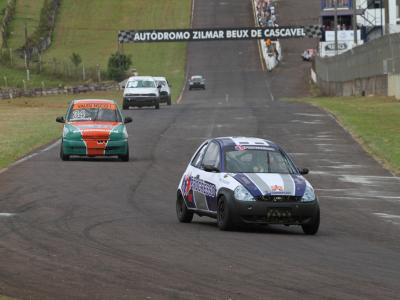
(125, 157)
(157, 106)
(169, 100)
(183, 214)
(63, 156)
(224, 215)
(125, 106)
(312, 227)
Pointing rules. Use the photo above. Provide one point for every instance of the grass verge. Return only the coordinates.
(6, 298)
(373, 121)
(28, 123)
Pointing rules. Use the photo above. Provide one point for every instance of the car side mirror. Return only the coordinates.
(304, 171)
(60, 120)
(209, 168)
(127, 120)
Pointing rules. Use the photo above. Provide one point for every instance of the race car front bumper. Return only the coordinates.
(141, 101)
(263, 212)
(80, 148)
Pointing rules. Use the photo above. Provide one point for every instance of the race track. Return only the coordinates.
(104, 229)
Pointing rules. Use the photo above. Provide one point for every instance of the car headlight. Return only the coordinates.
(309, 195)
(242, 194)
(65, 131)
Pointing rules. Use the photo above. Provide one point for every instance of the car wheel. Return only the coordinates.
(157, 106)
(63, 156)
(125, 157)
(125, 106)
(224, 218)
(311, 228)
(182, 212)
(169, 100)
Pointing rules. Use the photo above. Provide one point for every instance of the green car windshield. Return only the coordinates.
(103, 113)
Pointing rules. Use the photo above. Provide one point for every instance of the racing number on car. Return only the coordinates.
(79, 114)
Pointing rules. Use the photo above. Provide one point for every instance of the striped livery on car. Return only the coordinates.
(240, 180)
(94, 128)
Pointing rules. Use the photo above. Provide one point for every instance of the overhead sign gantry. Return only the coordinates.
(218, 34)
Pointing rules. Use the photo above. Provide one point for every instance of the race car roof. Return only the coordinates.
(227, 142)
(141, 78)
(160, 78)
(94, 101)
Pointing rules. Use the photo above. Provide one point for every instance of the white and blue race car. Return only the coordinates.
(240, 180)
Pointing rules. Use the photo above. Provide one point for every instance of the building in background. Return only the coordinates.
(373, 18)
(392, 11)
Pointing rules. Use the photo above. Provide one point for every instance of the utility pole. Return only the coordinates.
(355, 22)
(387, 17)
(336, 28)
(382, 8)
(27, 59)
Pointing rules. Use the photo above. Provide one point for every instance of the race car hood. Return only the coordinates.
(261, 184)
(93, 130)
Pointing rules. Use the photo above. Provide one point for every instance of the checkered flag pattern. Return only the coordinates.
(313, 31)
(126, 36)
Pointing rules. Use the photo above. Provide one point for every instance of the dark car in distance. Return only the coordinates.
(197, 82)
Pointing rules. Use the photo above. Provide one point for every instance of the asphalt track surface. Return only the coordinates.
(104, 229)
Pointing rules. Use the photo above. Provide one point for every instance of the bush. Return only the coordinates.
(76, 59)
(118, 65)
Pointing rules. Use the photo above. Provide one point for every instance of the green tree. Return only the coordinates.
(76, 59)
(118, 65)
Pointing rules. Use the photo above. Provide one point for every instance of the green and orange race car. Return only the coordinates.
(94, 128)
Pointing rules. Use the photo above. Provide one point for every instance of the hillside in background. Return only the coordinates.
(3, 4)
(90, 29)
(27, 13)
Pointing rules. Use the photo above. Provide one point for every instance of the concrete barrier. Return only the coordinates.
(370, 69)
(394, 85)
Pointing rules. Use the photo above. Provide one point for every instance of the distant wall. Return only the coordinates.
(367, 69)
(84, 88)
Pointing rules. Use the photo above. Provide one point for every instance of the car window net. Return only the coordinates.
(94, 114)
(256, 161)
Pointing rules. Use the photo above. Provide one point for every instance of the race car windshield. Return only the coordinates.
(81, 114)
(141, 84)
(257, 161)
